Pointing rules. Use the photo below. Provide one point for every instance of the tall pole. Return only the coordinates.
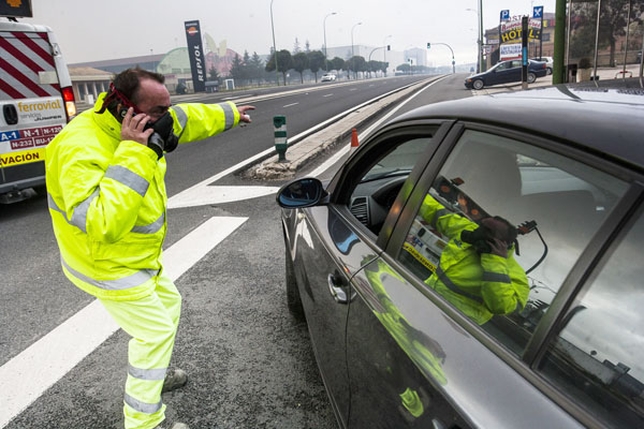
(326, 58)
(481, 59)
(559, 75)
(277, 72)
(628, 32)
(594, 76)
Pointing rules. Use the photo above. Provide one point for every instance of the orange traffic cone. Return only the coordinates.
(354, 140)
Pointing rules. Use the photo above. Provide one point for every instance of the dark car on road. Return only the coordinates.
(509, 71)
(478, 263)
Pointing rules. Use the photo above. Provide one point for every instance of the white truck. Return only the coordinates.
(36, 99)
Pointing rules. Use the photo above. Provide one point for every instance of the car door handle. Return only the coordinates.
(337, 291)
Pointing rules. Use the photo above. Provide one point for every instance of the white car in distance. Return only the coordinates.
(329, 77)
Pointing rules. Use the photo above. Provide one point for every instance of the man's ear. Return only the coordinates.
(121, 111)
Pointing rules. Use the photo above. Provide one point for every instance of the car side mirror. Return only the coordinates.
(300, 193)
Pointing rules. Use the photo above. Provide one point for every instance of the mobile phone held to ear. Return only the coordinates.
(124, 107)
(122, 111)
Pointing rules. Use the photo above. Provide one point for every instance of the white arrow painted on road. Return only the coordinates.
(202, 194)
(205, 195)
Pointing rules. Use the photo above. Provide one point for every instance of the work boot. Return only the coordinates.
(174, 379)
(176, 425)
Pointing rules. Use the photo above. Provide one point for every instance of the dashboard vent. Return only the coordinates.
(360, 209)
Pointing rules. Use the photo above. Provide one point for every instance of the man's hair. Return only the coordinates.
(124, 89)
(128, 81)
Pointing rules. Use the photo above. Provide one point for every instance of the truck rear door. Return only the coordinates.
(33, 109)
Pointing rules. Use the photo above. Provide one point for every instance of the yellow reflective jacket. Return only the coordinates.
(107, 198)
(480, 285)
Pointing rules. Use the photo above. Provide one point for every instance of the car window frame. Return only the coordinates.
(343, 183)
(606, 236)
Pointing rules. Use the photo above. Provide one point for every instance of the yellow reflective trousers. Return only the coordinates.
(152, 323)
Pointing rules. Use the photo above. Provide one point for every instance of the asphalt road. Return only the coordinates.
(250, 364)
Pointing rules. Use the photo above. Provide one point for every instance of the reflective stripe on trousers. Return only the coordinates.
(152, 323)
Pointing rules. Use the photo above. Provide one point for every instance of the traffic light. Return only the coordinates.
(389, 47)
(429, 45)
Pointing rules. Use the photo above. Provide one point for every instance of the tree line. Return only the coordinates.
(253, 69)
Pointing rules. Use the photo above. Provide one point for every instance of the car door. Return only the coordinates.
(511, 73)
(389, 359)
(420, 355)
(335, 241)
(341, 238)
(495, 75)
(395, 363)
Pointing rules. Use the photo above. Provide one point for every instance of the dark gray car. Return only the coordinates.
(509, 71)
(421, 315)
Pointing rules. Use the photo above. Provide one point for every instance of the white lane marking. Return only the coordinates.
(204, 195)
(328, 95)
(289, 105)
(26, 377)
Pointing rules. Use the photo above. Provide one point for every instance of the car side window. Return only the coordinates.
(598, 356)
(378, 187)
(501, 227)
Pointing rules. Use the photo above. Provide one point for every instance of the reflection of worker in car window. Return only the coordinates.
(477, 271)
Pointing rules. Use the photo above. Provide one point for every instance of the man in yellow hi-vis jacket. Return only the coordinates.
(477, 271)
(107, 199)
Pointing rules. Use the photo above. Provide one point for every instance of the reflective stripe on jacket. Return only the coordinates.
(107, 198)
(480, 285)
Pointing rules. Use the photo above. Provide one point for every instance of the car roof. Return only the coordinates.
(604, 120)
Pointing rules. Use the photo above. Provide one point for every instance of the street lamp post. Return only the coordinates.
(481, 59)
(326, 58)
(478, 39)
(277, 73)
(352, 54)
(451, 50)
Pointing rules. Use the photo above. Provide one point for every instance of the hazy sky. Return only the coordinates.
(89, 30)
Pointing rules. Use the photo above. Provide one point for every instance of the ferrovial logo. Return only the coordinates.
(14, 3)
(39, 106)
